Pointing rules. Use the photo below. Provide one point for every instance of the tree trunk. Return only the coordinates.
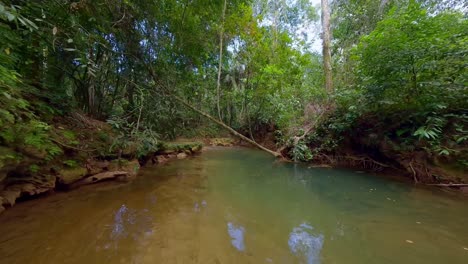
(221, 35)
(326, 36)
(235, 133)
(219, 122)
(383, 4)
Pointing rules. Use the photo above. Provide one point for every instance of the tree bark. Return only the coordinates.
(326, 36)
(383, 4)
(221, 35)
(235, 133)
(219, 122)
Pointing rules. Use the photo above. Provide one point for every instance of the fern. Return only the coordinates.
(432, 129)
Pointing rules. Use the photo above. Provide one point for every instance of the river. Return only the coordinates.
(239, 205)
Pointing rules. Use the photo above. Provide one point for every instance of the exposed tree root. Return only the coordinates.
(352, 161)
(449, 184)
(415, 177)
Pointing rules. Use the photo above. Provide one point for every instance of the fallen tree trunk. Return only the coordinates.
(220, 123)
(306, 132)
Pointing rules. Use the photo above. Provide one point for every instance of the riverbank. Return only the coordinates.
(78, 151)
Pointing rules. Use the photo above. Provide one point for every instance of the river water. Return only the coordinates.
(239, 206)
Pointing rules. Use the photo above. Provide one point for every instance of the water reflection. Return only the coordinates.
(118, 230)
(196, 206)
(304, 244)
(237, 236)
(129, 224)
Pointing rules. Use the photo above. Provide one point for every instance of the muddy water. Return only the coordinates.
(239, 206)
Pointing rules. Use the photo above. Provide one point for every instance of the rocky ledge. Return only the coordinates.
(17, 186)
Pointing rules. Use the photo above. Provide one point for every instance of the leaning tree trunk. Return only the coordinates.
(326, 46)
(219, 122)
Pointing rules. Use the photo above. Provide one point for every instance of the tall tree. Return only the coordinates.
(326, 36)
(221, 36)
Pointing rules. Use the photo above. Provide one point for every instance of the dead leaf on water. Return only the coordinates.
(409, 241)
(465, 248)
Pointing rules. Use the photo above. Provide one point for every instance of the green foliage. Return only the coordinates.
(34, 168)
(35, 134)
(413, 60)
(70, 163)
(148, 142)
(53, 151)
(402, 88)
(432, 130)
(8, 157)
(301, 152)
(133, 141)
(400, 73)
(71, 137)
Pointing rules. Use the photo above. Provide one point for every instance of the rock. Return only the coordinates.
(181, 155)
(96, 166)
(168, 151)
(223, 142)
(27, 186)
(188, 152)
(32, 187)
(10, 196)
(23, 188)
(160, 159)
(197, 148)
(35, 189)
(131, 167)
(69, 176)
(104, 176)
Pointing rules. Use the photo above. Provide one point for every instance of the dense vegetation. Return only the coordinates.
(399, 97)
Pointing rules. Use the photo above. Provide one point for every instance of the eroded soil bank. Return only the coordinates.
(85, 152)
